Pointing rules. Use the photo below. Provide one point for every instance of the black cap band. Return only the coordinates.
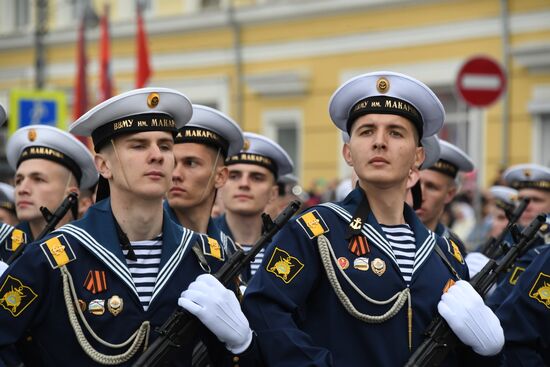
(386, 105)
(445, 167)
(40, 152)
(8, 205)
(540, 185)
(133, 124)
(193, 134)
(251, 158)
(507, 207)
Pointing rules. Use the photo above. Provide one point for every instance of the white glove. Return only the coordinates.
(219, 310)
(476, 261)
(3, 267)
(471, 320)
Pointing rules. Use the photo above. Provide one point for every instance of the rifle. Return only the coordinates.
(181, 326)
(440, 338)
(494, 246)
(52, 220)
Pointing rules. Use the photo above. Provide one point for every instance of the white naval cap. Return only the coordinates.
(7, 197)
(262, 151)
(432, 151)
(288, 179)
(51, 143)
(505, 197)
(452, 160)
(211, 127)
(345, 136)
(390, 93)
(138, 110)
(529, 175)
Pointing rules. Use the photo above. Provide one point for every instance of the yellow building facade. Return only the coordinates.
(273, 65)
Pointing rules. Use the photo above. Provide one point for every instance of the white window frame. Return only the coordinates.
(66, 14)
(194, 6)
(272, 119)
(7, 18)
(538, 106)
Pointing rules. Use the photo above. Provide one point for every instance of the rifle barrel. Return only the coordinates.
(181, 326)
(52, 222)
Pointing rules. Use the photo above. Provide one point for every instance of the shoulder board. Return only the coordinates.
(313, 224)
(454, 250)
(18, 238)
(58, 251)
(211, 247)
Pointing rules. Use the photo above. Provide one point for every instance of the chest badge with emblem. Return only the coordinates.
(343, 262)
(378, 266)
(283, 265)
(115, 304)
(361, 263)
(97, 307)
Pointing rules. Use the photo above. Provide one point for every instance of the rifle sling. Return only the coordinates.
(446, 261)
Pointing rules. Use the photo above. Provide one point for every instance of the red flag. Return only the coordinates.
(143, 71)
(105, 81)
(80, 102)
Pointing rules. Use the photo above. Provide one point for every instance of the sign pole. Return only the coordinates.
(40, 48)
(506, 96)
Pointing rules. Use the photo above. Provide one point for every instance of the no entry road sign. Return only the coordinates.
(481, 81)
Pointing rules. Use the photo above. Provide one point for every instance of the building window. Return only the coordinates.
(210, 4)
(284, 127)
(542, 137)
(456, 129)
(22, 14)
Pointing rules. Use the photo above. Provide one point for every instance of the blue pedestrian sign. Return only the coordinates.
(31, 107)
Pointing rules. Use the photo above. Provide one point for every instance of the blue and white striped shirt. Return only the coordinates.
(401, 239)
(145, 269)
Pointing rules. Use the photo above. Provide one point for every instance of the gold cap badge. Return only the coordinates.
(153, 100)
(246, 145)
(31, 135)
(527, 172)
(382, 85)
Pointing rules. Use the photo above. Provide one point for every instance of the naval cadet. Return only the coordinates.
(100, 286)
(525, 316)
(49, 163)
(504, 200)
(532, 181)
(357, 282)
(250, 188)
(201, 148)
(7, 206)
(439, 187)
(287, 191)
(8, 216)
